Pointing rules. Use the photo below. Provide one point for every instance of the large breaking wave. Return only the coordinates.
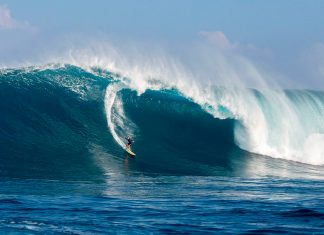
(53, 118)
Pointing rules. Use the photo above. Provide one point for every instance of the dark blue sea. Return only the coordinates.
(202, 166)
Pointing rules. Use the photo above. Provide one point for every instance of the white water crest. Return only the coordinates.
(288, 125)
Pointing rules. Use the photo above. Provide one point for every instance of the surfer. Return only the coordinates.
(129, 142)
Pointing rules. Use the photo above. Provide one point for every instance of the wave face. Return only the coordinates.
(48, 120)
(64, 121)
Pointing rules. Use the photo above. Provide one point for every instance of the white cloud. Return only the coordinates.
(218, 38)
(8, 22)
(220, 41)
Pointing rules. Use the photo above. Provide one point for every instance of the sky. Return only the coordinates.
(284, 36)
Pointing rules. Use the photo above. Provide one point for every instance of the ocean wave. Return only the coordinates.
(53, 115)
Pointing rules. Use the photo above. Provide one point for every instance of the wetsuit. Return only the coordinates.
(129, 141)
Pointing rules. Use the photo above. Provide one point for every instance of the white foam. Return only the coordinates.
(109, 102)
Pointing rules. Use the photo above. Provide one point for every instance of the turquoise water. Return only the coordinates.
(63, 168)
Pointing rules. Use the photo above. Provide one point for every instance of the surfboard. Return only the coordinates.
(129, 151)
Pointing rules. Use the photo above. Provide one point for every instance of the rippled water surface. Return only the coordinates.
(163, 204)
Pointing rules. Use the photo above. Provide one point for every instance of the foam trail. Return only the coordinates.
(110, 98)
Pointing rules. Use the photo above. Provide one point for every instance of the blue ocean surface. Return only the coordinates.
(163, 204)
(201, 167)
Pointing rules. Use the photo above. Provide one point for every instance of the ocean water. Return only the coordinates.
(230, 161)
